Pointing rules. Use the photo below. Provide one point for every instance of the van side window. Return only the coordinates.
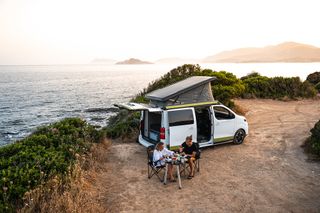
(222, 113)
(180, 117)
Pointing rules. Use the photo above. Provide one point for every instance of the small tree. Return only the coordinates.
(315, 138)
(250, 75)
(318, 86)
(314, 78)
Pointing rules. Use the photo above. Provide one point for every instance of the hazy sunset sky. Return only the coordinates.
(76, 31)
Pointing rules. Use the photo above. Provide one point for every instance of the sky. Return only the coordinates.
(77, 31)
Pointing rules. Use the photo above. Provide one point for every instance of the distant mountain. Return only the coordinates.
(284, 52)
(176, 60)
(103, 61)
(133, 61)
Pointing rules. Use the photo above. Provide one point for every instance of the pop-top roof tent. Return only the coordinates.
(195, 89)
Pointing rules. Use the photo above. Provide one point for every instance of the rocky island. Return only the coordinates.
(133, 61)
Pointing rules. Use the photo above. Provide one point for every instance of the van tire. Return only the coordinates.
(239, 136)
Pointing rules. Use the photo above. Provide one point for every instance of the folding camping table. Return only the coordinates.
(176, 163)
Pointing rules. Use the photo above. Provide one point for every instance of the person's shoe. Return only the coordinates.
(190, 177)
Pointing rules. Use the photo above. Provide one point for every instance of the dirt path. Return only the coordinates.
(268, 173)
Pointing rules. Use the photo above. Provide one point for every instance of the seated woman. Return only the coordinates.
(190, 149)
(159, 155)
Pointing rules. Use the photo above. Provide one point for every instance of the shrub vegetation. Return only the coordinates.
(315, 139)
(314, 78)
(123, 124)
(257, 86)
(318, 87)
(48, 153)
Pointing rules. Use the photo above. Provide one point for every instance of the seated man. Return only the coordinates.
(159, 155)
(190, 149)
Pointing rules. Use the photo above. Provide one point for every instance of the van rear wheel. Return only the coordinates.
(239, 137)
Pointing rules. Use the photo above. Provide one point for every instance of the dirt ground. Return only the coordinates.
(269, 172)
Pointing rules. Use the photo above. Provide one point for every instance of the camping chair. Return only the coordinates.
(152, 169)
(198, 156)
(196, 162)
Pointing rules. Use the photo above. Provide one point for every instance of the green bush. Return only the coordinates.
(318, 86)
(250, 75)
(258, 86)
(315, 138)
(314, 78)
(48, 152)
(226, 87)
(122, 124)
(307, 90)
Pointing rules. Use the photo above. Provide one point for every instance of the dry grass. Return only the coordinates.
(75, 194)
(239, 109)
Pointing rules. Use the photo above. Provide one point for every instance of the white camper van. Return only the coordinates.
(188, 108)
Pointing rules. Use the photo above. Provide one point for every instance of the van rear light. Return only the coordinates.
(162, 133)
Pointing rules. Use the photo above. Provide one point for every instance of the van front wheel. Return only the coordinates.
(239, 136)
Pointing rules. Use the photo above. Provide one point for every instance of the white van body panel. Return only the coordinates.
(241, 123)
(223, 129)
(178, 133)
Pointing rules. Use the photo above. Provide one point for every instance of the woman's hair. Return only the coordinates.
(158, 145)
